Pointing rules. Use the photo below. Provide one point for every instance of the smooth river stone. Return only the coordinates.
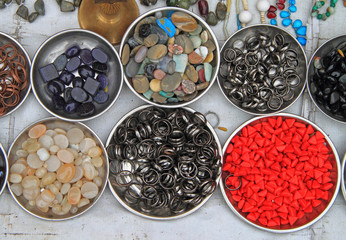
(171, 67)
(202, 86)
(197, 31)
(185, 42)
(191, 73)
(163, 36)
(156, 52)
(210, 45)
(171, 82)
(132, 68)
(158, 98)
(208, 70)
(181, 62)
(155, 85)
(151, 40)
(163, 63)
(141, 70)
(184, 21)
(196, 41)
(159, 74)
(140, 83)
(141, 54)
(194, 58)
(125, 56)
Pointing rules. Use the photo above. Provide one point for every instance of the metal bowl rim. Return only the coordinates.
(308, 81)
(109, 139)
(337, 186)
(300, 47)
(29, 65)
(343, 188)
(7, 169)
(68, 122)
(206, 26)
(76, 30)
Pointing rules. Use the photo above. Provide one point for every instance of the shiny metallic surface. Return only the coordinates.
(55, 46)
(4, 39)
(246, 34)
(322, 51)
(343, 187)
(335, 175)
(216, 60)
(4, 165)
(122, 199)
(53, 123)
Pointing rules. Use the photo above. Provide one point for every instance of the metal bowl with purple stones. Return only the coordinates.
(76, 75)
(170, 57)
(327, 78)
(3, 169)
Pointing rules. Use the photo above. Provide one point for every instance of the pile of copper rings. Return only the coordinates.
(260, 72)
(13, 77)
(163, 162)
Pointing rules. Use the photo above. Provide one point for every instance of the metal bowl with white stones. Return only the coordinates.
(59, 171)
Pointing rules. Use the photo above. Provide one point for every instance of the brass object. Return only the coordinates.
(109, 18)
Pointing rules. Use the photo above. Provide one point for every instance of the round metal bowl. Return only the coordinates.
(215, 63)
(309, 218)
(270, 31)
(161, 213)
(4, 167)
(323, 50)
(343, 187)
(54, 123)
(57, 45)
(6, 39)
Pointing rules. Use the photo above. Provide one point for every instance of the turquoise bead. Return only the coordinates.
(292, 2)
(334, 1)
(301, 31)
(315, 13)
(297, 23)
(292, 9)
(166, 94)
(148, 94)
(286, 22)
(273, 22)
(302, 40)
(285, 14)
(318, 4)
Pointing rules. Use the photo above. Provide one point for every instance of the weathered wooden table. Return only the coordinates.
(108, 219)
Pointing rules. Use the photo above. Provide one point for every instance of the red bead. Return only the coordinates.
(272, 9)
(203, 7)
(280, 6)
(282, 1)
(271, 15)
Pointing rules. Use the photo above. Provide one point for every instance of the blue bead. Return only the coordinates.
(286, 22)
(285, 14)
(167, 26)
(297, 23)
(273, 22)
(301, 31)
(292, 2)
(301, 40)
(292, 8)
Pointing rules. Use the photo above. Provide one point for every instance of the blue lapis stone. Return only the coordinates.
(302, 40)
(301, 31)
(285, 14)
(297, 23)
(286, 22)
(167, 26)
(273, 22)
(292, 8)
(292, 2)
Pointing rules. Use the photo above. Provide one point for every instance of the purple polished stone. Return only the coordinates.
(58, 102)
(101, 97)
(72, 51)
(85, 71)
(79, 94)
(73, 64)
(66, 77)
(99, 55)
(61, 84)
(78, 82)
(103, 81)
(67, 94)
(54, 88)
(86, 109)
(60, 62)
(71, 107)
(86, 57)
(89, 99)
(49, 72)
(100, 67)
(91, 86)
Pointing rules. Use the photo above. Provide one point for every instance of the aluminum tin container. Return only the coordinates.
(6, 39)
(343, 187)
(322, 51)
(55, 46)
(335, 175)
(142, 214)
(53, 123)
(270, 31)
(130, 32)
(4, 165)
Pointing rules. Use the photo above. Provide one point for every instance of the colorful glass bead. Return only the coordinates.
(302, 40)
(331, 10)
(292, 2)
(301, 31)
(297, 23)
(282, 1)
(272, 8)
(273, 22)
(281, 6)
(271, 15)
(286, 22)
(285, 14)
(292, 8)
(203, 7)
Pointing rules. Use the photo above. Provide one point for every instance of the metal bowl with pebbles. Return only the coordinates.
(76, 75)
(170, 57)
(14, 74)
(164, 163)
(262, 70)
(57, 169)
(326, 78)
(283, 180)
(3, 168)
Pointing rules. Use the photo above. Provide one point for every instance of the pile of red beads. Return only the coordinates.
(279, 172)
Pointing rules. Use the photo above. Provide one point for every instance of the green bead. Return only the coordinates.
(332, 4)
(171, 3)
(184, 4)
(314, 14)
(328, 14)
(319, 16)
(324, 17)
(322, 2)
(334, 1)
(318, 4)
(314, 8)
(330, 10)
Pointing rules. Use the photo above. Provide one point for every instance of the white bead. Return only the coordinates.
(245, 17)
(262, 5)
